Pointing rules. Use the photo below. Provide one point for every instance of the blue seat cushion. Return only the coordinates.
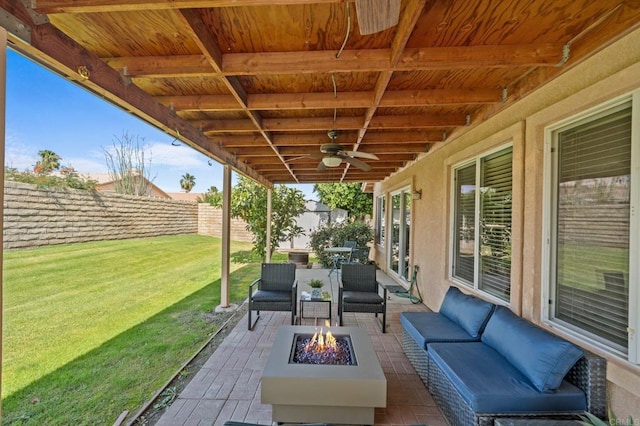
(490, 384)
(361, 297)
(469, 312)
(430, 327)
(542, 357)
(271, 296)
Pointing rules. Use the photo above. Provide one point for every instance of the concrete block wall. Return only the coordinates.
(210, 223)
(42, 216)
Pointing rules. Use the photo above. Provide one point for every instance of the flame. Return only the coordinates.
(321, 342)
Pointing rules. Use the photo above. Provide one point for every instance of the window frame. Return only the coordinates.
(477, 161)
(403, 240)
(381, 211)
(548, 262)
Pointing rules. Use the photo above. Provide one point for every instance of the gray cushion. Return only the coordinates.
(361, 297)
(490, 384)
(541, 356)
(430, 327)
(271, 296)
(469, 312)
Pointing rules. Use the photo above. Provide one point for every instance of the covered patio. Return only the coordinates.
(459, 120)
(227, 387)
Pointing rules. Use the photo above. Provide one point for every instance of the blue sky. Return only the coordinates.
(45, 111)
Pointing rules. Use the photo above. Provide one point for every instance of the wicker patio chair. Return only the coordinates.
(275, 290)
(359, 291)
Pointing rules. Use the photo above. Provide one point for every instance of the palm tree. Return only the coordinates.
(49, 161)
(187, 182)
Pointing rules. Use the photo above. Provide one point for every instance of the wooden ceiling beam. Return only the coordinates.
(373, 137)
(201, 103)
(417, 121)
(344, 138)
(94, 6)
(366, 60)
(310, 100)
(306, 62)
(291, 151)
(306, 124)
(211, 127)
(302, 101)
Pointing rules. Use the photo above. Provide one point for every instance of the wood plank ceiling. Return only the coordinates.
(258, 84)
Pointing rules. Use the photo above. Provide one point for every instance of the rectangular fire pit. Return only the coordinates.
(311, 393)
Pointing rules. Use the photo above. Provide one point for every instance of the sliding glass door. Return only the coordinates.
(400, 233)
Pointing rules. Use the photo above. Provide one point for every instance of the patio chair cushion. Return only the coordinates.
(469, 312)
(490, 384)
(271, 296)
(541, 356)
(277, 276)
(361, 297)
(430, 327)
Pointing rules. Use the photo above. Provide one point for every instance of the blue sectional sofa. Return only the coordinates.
(481, 362)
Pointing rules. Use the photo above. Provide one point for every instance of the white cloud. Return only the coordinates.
(19, 155)
(178, 156)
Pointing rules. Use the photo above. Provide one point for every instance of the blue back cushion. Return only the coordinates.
(468, 312)
(541, 356)
(490, 384)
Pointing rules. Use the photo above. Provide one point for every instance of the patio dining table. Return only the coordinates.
(337, 257)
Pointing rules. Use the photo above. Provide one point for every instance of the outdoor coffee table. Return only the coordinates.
(324, 299)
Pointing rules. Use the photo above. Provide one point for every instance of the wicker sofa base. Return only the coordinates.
(588, 374)
(417, 357)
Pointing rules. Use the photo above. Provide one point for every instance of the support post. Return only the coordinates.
(226, 240)
(3, 100)
(269, 215)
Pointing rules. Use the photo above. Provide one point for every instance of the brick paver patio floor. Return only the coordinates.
(227, 387)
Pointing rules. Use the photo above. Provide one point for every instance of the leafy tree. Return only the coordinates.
(249, 202)
(49, 161)
(347, 196)
(127, 165)
(187, 182)
(68, 178)
(335, 234)
(212, 196)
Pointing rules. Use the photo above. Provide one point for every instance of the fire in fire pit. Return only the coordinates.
(322, 349)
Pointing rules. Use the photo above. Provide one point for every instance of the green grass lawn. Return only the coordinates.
(93, 329)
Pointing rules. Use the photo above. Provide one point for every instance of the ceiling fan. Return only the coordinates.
(332, 154)
(377, 15)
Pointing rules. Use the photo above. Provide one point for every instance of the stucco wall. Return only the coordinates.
(35, 217)
(610, 73)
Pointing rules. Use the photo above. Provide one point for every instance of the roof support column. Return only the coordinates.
(226, 238)
(3, 97)
(269, 214)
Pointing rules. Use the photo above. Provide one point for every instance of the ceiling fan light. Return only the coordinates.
(332, 161)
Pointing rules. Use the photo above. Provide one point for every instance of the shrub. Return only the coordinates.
(335, 234)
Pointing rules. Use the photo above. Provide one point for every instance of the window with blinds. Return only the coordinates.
(591, 226)
(495, 225)
(482, 246)
(465, 223)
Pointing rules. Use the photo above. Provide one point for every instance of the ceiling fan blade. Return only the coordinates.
(377, 15)
(358, 163)
(321, 167)
(360, 154)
